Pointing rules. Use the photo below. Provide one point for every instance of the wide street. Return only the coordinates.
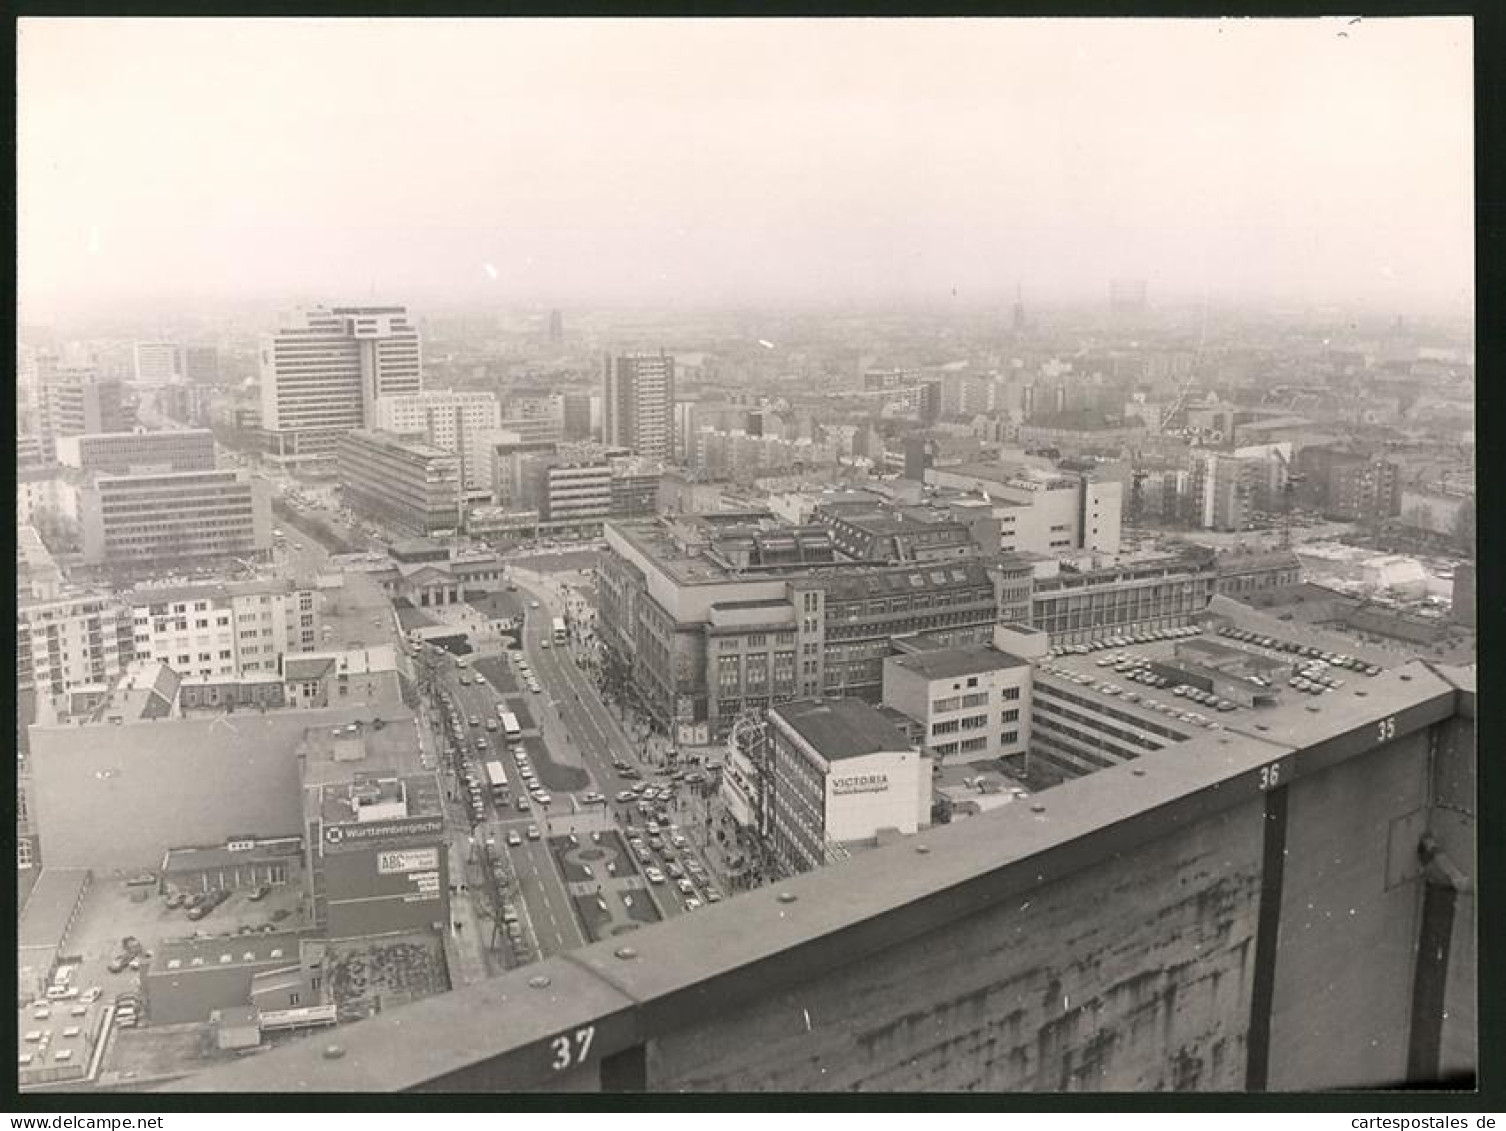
(571, 740)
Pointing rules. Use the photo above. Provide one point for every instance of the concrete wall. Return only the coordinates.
(1148, 992)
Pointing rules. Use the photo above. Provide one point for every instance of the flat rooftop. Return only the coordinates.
(842, 728)
(49, 907)
(332, 802)
(212, 590)
(335, 754)
(1103, 686)
(219, 856)
(949, 663)
(175, 955)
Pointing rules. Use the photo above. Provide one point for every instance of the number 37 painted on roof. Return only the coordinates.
(569, 1052)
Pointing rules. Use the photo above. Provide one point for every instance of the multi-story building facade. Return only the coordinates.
(1014, 585)
(1242, 574)
(1077, 606)
(169, 520)
(72, 401)
(1222, 490)
(506, 453)
(158, 363)
(128, 453)
(972, 703)
(839, 773)
(70, 640)
(1368, 491)
(43, 495)
(709, 616)
(575, 416)
(638, 398)
(454, 421)
(567, 494)
(322, 373)
(408, 485)
(224, 629)
(1042, 510)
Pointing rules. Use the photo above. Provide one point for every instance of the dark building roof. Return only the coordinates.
(948, 663)
(841, 728)
(297, 669)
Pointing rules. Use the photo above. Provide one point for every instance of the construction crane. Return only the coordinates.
(1288, 489)
(1182, 394)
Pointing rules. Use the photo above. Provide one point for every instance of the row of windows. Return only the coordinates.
(1049, 714)
(1098, 709)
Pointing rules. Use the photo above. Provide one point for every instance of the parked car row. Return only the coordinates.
(1305, 651)
(1149, 637)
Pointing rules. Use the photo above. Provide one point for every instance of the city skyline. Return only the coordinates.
(771, 163)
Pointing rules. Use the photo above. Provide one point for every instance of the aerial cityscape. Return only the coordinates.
(720, 556)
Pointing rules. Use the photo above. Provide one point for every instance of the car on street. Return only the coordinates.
(685, 886)
(260, 893)
(654, 875)
(692, 904)
(713, 896)
(514, 840)
(626, 796)
(521, 805)
(592, 798)
(533, 832)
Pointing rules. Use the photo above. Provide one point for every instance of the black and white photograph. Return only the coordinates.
(744, 556)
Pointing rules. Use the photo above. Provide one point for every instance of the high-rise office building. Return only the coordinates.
(322, 373)
(158, 363)
(638, 398)
(454, 421)
(556, 326)
(408, 485)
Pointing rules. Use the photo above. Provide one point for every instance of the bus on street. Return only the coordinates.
(559, 630)
(510, 728)
(496, 779)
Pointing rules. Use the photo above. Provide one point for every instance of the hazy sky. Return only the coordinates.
(743, 162)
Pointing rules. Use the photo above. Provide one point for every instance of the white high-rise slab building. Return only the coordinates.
(638, 401)
(322, 373)
(158, 363)
(454, 421)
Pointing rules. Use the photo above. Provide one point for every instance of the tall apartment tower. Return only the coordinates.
(556, 327)
(638, 404)
(322, 373)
